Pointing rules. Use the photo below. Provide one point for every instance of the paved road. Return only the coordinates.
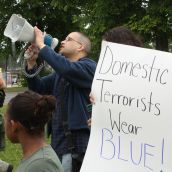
(9, 96)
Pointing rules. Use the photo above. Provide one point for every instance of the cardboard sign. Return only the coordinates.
(132, 115)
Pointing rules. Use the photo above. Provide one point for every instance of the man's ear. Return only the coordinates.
(81, 48)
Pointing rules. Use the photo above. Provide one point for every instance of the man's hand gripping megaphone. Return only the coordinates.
(41, 39)
(31, 55)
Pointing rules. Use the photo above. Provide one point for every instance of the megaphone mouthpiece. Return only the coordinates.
(54, 43)
(50, 41)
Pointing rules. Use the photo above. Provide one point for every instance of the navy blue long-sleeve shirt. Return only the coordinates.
(79, 76)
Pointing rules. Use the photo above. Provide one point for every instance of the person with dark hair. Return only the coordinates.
(25, 119)
(121, 35)
(71, 84)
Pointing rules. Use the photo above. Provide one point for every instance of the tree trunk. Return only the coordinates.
(161, 39)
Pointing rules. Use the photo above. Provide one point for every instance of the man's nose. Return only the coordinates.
(63, 42)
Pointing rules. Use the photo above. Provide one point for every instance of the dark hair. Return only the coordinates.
(2, 97)
(32, 110)
(122, 35)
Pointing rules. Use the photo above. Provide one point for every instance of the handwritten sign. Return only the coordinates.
(132, 116)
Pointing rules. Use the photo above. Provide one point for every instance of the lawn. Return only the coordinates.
(15, 89)
(12, 152)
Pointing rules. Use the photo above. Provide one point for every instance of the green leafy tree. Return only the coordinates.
(99, 16)
(155, 23)
(151, 18)
(54, 20)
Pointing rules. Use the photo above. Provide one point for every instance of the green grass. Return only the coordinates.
(15, 89)
(2, 110)
(12, 152)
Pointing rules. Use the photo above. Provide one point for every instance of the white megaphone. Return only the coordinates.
(18, 29)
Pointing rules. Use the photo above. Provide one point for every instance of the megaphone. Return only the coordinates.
(18, 29)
